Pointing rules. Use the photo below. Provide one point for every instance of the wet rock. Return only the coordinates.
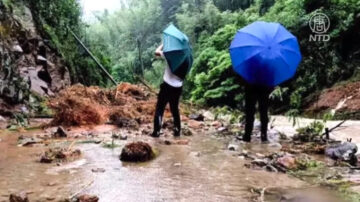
(287, 161)
(216, 124)
(182, 142)
(137, 152)
(59, 154)
(40, 59)
(195, 154)
(197, 117)
(17, 49)
(260, 162)
(2, 119)
(60, 133)
(195, 124)
(209, 116)
(21, 197)
(28, 141)
(186, 132)
(344, 151)
(123, 122)
(123, 137)
(98, 170)
(221, 129)
(167, 142)
(87, 198)
(115, 135)
(233, 147)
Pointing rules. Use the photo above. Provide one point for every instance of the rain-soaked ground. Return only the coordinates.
(203, 170)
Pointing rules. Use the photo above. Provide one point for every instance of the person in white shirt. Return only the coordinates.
(170, 92)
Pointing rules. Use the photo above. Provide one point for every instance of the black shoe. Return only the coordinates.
(246, 138)
(176, 132)
(264, 138)
(155, 134)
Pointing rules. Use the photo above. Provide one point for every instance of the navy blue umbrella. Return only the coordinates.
(265, 53)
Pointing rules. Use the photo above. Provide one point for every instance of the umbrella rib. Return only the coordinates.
(246, 46)
(252, 36)
(249, 58)
(291, 50)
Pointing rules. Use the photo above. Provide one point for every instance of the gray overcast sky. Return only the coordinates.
(90, 6)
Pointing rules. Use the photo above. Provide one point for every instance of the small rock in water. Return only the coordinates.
(233, 147)
(195, 124)
(87, 198)
(221, 129)
(197, 117)
(59, 154)
(123, 137)
(60, 132)
(187, 132)
(344, 151)
(287, 161)
(27, 141)
(137, 152)
(182, 142)
(216, 124)
(115, 136)
(208, 116)
(98, 170)
(21, 197)
(196, 154)
(2, 119)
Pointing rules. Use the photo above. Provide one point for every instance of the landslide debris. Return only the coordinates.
(343, 100)
(126, 105)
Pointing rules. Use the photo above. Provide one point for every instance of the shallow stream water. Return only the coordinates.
(203, 170)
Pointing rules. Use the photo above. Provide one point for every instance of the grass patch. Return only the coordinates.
(111, 145)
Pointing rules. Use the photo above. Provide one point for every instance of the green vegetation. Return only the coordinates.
(54, 19)
(125, 40)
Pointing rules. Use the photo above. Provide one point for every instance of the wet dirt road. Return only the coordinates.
(203, 170)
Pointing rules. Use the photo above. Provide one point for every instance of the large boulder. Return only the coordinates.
(344, 151)
(137, 152)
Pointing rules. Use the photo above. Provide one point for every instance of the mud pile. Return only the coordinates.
(126, 105)
(343, 99)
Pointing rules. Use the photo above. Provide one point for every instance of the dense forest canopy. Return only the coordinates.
(125, 41)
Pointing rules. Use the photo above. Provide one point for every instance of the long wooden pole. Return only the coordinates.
(93, 57)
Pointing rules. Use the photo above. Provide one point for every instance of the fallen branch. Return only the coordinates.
(262, 195)
(328, 131)
(82, 189)
(146, 85)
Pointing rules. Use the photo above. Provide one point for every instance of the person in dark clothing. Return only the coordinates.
(254, 94)
(170, 92)
(171, 95)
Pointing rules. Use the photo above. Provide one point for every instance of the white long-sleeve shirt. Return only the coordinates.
(171, 78)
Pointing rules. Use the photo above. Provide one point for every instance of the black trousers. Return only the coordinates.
(254, 94)
(171, 95)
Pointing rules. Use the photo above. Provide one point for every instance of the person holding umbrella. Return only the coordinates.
(176, 51)
(265, 55)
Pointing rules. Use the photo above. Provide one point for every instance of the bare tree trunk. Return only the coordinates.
(140, 58)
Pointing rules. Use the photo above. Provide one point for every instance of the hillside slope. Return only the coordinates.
(27, 64)
(342, 100)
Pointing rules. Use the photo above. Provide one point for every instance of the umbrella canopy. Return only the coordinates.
(177, 51)
(265, 53)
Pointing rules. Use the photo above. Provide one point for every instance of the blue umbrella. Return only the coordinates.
(265, 53)
(177, 51)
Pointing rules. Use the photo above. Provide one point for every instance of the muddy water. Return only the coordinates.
(202, 171)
